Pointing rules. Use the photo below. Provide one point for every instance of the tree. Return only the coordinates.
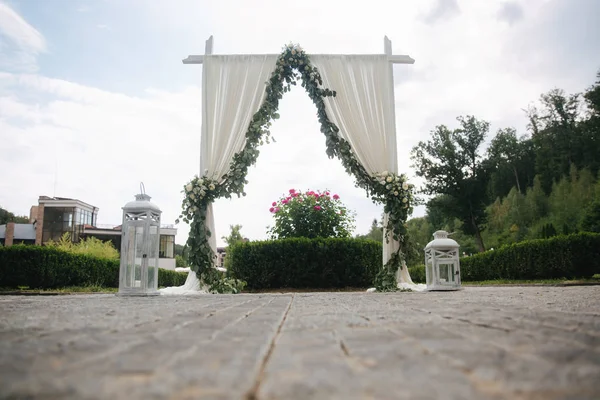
(375, 233)
(452, 166)
(512, 162)
(234, 235)
(6, 217)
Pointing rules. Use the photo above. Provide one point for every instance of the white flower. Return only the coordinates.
(395, 193)
(192, 196)
(405, 186)
(396, 178)
(211, 186)
(405, 200)
(388, 187)
(389, 179)
(384, 173)
(188, 187)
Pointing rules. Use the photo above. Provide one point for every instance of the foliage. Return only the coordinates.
(572, 256)
(385, 187)
(306, 263)
(451, 164)
(310, 214)
(6, 217)
(90, 246)
(512, 161)
(375, 233)
(180, 262)
(591, 218)
(43, 267)
(234, 236)
(167, 278)
(417, 273)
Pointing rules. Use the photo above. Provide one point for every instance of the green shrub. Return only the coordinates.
(417, 273)
(90, 246)
(305, 263)
(168, 278)
(572, 256)
(48, 268)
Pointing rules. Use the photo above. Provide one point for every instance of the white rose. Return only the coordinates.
(388, 187)
(395, 193)
(405, 200)
(405, 186)
(192, 196)
(188, 187)
(389, 179)
(293, 52)
(211, 186)
(396, 178)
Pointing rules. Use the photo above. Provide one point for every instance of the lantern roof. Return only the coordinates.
(442, 241)
(141, 203)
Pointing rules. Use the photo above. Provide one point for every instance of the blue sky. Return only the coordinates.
(94, 94)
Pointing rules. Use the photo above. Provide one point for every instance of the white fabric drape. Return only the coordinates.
(233, 89)
(363, 110)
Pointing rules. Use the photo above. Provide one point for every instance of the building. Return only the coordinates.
(55, 216)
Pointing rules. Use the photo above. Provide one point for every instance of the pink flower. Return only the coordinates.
(292, 191)
(288, 198)
(294, 194)
(274, 204)
(335, 197)
(285, 201)
(327, 193)
(271, 209)
(276, 209)
(317, 208)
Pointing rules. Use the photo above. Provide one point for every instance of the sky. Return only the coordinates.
(94, 98)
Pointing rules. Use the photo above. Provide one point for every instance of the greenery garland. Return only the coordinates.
(385, 187)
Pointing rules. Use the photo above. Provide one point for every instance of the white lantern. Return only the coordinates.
(442, 265)
(140, 233)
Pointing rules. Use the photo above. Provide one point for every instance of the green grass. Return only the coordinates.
(65, 290)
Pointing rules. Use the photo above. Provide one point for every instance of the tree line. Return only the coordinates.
(539, 184)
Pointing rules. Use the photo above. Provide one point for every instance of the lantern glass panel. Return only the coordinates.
(153, 239)
(447, 271)
(130, 256)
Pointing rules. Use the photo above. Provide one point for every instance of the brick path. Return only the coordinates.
(479, 343)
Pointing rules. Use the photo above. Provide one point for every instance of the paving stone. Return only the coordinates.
(481, 343)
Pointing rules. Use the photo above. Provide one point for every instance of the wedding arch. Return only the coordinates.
(354, 97)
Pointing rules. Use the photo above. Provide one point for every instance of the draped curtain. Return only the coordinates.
(363, 110)
(232, 92)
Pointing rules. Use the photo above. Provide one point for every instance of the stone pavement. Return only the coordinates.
(479, 343)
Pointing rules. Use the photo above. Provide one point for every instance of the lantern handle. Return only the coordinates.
(142, 188)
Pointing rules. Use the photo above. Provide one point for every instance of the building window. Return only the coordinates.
(167, 246)
(57, 221)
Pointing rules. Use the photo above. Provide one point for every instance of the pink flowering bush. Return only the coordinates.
(310, 214)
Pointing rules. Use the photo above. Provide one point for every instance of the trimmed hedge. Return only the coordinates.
(41, 267)
(572, 256)
(417, 273)
(305, 263)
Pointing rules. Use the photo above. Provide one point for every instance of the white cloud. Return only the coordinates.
(20, 43)
(105, 142)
